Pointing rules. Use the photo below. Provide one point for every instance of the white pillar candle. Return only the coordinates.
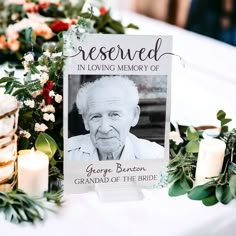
(210, 159)
(33, 172)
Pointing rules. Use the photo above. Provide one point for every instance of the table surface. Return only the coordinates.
(205, 85)
(156, 214)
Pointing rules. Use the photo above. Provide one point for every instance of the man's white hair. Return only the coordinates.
(128, 86)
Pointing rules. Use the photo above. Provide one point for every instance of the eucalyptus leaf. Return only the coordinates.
(28, 34)
(176, 189)
(232, 167)
(221, 115)
(22, 91)
(33, 69)
(232, 185)
(201, 191)
(132, 26)
(224, 129)
(19, 207)
(192, 146)
(6, 79)
(186, 183)
(225, 121)
(174, 176)
(9, 87)
(210, 200)
(192, 133)
(46, 144)
(223, 194)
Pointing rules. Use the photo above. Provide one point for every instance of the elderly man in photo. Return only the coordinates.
(109, 107)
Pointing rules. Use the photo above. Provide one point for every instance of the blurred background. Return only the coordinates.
(212, 18)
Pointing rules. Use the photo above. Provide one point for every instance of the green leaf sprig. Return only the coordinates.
(18, 207)
(182, 166)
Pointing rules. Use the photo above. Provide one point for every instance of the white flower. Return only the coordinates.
(25, 134)
(48, 117)
(26, 66)
(29, 57)
(58, 98)
(47, 54)
(51, 93)
(42, 68)
(44, 78)
(48, 108)
(175, 137)
(59, 54)
(40, 127)
(29, 103)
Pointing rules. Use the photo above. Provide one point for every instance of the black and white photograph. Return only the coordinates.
(116, 117)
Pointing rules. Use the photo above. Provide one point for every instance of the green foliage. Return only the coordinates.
(18, 207)
(191, 133)
(46, 144)
(30, 41)
(200, 192)
(221, 116)
(182, 166)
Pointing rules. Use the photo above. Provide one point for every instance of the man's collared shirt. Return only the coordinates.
(81, 148)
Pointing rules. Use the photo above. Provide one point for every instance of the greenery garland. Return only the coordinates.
(18, 207)
(183, 160)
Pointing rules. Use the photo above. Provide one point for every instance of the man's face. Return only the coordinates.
(109, 118)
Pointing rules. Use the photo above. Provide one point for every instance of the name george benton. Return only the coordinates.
(118, 169)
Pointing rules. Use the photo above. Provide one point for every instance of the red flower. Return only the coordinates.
(58, 26)
(103, 11)
(45, 92)
(50, 85)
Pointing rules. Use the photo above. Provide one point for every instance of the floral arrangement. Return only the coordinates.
(30, 23)
(184, 154)
(33, 38)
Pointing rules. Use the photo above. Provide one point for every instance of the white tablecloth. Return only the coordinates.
(199, 90)
(157, 214)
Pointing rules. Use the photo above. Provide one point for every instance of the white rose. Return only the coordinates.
(29, 57)
(44, 79)
(29, 103)
(48, 108)
(40, 127)
(175, 137)
(51, 93)
(58, 98)
(48, 117)
(25, 134)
